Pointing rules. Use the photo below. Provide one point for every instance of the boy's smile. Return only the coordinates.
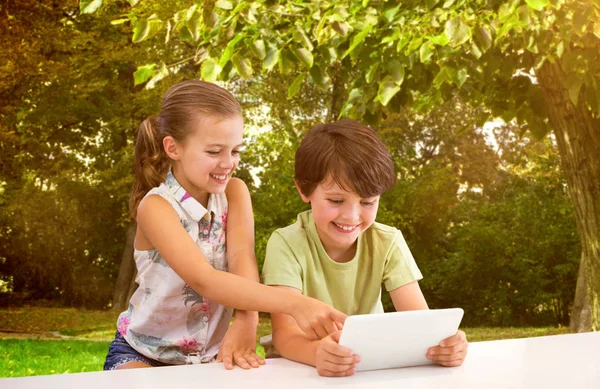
(340, 216)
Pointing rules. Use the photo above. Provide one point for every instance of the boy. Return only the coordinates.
(337, 253)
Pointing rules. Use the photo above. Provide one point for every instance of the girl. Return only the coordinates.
(194, 222)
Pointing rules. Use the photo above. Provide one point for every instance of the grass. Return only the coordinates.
(19, 358)
(93, 331)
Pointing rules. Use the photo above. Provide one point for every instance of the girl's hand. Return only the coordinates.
(334, 360)
(239, 345)
(451, 351)
(316, 318)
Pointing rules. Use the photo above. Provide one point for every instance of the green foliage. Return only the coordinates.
(473, 47)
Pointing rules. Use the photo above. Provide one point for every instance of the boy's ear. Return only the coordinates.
(304, 198)
(171, 148)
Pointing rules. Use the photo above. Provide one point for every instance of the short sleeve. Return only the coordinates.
(281, 267)
(400, 266)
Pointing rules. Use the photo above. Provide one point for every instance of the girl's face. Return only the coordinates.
(205, 161)
(340, 216)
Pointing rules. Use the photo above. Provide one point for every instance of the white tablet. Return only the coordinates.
(398, 339)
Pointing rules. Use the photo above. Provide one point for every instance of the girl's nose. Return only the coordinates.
(226, 162)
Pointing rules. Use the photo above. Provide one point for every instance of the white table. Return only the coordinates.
(563, 361)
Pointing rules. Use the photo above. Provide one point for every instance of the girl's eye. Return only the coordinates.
(368, 203)
(333, 201)
(213, 152)
(235, 152)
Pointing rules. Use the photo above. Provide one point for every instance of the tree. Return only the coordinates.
(534, 61)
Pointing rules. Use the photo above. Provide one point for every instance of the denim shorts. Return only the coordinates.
(120, 352)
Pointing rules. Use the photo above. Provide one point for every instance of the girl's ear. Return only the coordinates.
(171, 148)
(304, 198)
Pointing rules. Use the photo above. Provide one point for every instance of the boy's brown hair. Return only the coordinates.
(350, 153)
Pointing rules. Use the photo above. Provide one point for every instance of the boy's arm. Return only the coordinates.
(289, 340)
(408, 297)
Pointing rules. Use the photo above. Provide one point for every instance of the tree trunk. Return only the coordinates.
(125, 285)
(578, 139)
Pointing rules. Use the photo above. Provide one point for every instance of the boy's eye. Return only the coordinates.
(368, 203)
(335, 201)
(235, 152)
(213, 152)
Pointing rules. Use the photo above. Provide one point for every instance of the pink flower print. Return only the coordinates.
(205, 306)
(123, 324)
(224, 220)
(187, 345)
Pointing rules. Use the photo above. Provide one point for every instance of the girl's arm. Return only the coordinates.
(240, 231)
(326, 355)
(160, 224)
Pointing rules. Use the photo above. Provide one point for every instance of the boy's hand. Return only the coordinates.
(334, 360)
(316, 318)
(239, 345)
(451, 351)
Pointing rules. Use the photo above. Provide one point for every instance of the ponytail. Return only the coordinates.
(151, 164)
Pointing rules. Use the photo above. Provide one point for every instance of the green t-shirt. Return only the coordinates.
(296, 258)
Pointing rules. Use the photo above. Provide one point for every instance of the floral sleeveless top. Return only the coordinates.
(167, 320)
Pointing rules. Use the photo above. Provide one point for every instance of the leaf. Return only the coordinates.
(224, 4)
(341, 28)
(574, 84)
(242, 65)
(193, 21)
(304, 56)
(597, 29)
(426, 52)
(285, 64)
(457, 32)
(560, 49)
(394, 36)
(89, 6)
(229, 50)
(162, 73)
(387, 90)
(301, 37)
(537, 4)
(396, 70)
(390, 13)
(358, 39)
(210, 70)
(296, 84)
(143, 73)
(461, 77)
(133, 3)
(145, 29)
(320, 77)
(483, 36)
(259, 49)
(475, 51)
(271, 58)
(440, 40)
(119, 21)
(370, 75)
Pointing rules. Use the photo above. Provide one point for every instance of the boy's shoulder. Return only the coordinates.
(383, 232)
(296, 229)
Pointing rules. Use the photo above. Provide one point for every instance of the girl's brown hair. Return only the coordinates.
(350, 153)
(183, 104)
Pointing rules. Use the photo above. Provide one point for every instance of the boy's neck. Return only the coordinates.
(341, 255)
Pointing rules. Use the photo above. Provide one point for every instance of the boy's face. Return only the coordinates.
(340, 216)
